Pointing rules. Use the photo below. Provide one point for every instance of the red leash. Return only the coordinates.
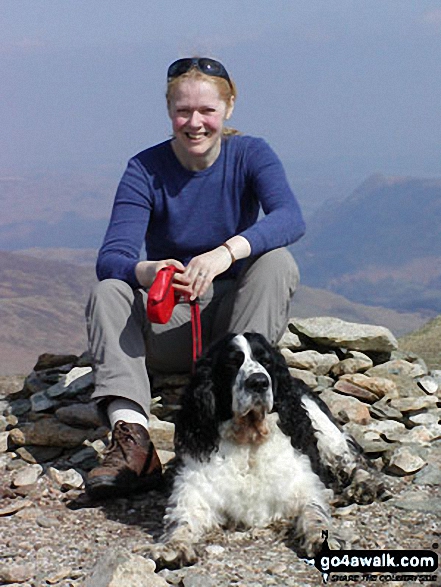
(162, 298)
(196, 330)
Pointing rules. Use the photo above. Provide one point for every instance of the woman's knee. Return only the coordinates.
(109, 296)
(279, 264)
(110, 288)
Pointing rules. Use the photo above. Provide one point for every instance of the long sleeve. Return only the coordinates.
(283, 223)
(125, 235)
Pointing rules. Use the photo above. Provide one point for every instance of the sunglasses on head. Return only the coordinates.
(204, 64)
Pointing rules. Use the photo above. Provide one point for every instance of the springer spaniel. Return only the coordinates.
(256, 446)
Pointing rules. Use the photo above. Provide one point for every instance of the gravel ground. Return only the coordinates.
(48, 537)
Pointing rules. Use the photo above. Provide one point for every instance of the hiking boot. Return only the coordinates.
(131, 464)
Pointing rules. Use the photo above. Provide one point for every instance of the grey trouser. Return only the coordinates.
(123, 342)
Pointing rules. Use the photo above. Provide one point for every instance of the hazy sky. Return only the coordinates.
(338, 87)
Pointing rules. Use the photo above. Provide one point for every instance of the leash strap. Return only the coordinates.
(196, 330)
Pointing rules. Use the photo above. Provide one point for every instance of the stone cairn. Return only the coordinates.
(386, 399)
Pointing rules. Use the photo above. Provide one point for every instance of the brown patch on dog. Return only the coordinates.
(252, 428)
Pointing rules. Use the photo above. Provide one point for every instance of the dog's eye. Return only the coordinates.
(265, 362)
(235, 358)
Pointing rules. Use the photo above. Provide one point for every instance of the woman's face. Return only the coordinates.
(197, 113)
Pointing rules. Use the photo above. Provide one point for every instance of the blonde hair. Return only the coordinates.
(227, 91)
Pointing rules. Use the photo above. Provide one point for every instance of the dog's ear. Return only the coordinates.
(294, 420)
(196, 431)
(283, 381)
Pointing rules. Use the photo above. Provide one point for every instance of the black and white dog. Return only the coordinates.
(256, 446)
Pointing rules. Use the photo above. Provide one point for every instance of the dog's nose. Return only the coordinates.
(257, 383)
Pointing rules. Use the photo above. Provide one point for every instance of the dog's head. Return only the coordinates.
(236, 380)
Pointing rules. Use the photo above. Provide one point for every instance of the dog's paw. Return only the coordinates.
(172, 555)
(365, 488)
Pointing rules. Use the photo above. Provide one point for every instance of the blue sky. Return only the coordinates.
(340, 88)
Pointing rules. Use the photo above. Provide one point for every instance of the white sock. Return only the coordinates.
(127, 411)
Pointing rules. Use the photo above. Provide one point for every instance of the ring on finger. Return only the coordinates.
(202, 274)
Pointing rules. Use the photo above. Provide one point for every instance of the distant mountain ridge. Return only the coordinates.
(55, 210)
(43, 295)
(380, 246)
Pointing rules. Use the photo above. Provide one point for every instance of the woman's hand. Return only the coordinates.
(146, 271)
(201, 271)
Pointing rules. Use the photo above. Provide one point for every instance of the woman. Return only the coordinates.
(194, 202)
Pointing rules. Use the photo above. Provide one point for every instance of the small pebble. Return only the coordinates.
(47, 521)
(215, 549)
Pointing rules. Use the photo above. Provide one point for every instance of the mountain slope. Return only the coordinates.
(380, 246)
(425, 342)
(41, 310)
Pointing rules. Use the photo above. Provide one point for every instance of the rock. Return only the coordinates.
(11, 421)
(370, 441)
(404, 461)
(84, 457)
(51, 361)
(63, 573)
(317, 363)
(334, 332)
(429, 475)
(5, 408)
(172, 577)
(215, 549)
(49, 432)
(66, 480)
(426, 418)
(306, 376)
(27, 475)
(423, 435)
(162, 433)
(355, 362)
(3, 424)
(15, 506)
(196, 578)
(383, 409)
(379, 386)
(41, 402)
(396, 367)
(346, 408)
(77, 380)
(428, 384)
(19, 407)
(16, 573)
(81, 415)
(4, 441)
(290, 341)
(325, 382)
(120, 567)
(348, 388)
(405, 386)
(413, 502)
(39, 454)
(33, 383)
(46, 521)
(413, 404)
(436, 375)
(165, 456)
(389, 429)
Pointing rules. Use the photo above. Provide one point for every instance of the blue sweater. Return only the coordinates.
(179, 213)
